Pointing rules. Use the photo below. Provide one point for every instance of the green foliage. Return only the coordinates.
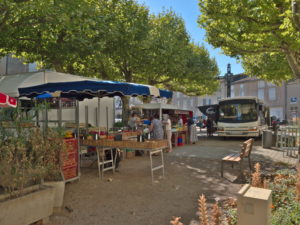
(231, 214)
(54, 33)
(285, 207)
(283, 189)
(108, 39)
(257, 31)
(200, 76)
(287, 215)
(119, 124)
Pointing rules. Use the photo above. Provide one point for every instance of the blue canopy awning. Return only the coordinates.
(89, 89)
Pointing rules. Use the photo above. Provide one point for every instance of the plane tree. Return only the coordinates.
(262, 33)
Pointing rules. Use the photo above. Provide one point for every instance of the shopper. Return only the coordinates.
(156, 128)
(191, 130)
(209, 126)
(168, 129)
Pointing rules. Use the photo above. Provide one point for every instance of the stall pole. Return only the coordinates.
(59, 113)
(78, 134)
(96, 116)
(107, 120)
(86, 117)
(114, 110)
(99, 101)
(46, 117)
(160, 112)
(37, 113)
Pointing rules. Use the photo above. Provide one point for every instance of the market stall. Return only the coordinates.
(150, 146)
(179, 131)
(78, 91)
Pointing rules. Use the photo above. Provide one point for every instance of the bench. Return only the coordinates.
(246, 148)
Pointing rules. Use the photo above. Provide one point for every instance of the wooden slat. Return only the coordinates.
(232, 158)
(246, 148)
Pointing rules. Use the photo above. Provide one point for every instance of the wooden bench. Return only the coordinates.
(246, 148)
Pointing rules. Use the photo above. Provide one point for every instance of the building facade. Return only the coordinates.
(10, 65)
(272, 95)
(293, 100)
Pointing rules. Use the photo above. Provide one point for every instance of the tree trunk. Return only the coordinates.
(125, 109)
(293, 59)
(296, 13)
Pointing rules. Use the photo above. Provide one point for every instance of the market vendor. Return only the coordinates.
(133, 121)
(180, 121)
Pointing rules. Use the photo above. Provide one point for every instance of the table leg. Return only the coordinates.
(157, 151)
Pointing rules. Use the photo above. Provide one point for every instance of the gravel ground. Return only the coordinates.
(130, 198)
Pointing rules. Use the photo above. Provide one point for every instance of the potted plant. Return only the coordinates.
(27, 158)
(54, 154)
(23, 199)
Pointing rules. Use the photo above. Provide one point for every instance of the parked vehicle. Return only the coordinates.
(239, 116)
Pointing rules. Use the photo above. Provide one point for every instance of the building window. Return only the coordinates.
(261, 93)
(204, 101)
(242, 91)
(232, 91)
(261, 84)
(272, 93)
(209, 101)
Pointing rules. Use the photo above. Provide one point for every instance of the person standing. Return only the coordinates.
(156, 128)
(209, 126)
(180, 122)
(132, 122)
(168, 129)
(191, 131)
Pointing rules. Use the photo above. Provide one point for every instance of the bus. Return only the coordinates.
(240, 116)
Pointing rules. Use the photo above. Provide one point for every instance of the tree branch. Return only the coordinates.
(296, 13)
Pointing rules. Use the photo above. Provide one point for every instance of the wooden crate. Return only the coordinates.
(130, 155)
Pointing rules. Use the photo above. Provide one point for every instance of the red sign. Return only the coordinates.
(70, 159)
(7, 101)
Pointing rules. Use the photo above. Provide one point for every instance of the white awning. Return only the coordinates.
(9, 84)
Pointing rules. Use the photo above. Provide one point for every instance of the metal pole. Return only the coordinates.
(114, 110)
(99, 101)
(46, 115)
(78, 134)
(37, 120)
(160, 111)
(228, 77)
(86, 116)
(96, 116)
(107, 119)
(59, 113)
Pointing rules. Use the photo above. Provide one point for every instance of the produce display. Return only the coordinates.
(127, 143)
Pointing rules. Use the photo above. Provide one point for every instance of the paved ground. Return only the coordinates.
(216, 147)
(130, 198)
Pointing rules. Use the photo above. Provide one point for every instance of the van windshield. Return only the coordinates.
(238, 112)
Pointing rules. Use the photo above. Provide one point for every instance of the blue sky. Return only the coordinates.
(189, 11)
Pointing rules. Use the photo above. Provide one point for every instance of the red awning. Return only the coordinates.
(7, 101)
